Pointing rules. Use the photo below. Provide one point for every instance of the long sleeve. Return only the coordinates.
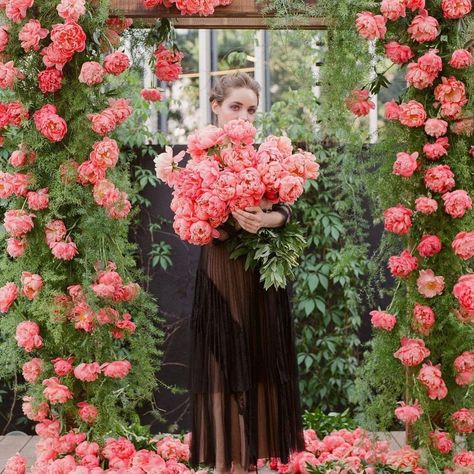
(283, 209)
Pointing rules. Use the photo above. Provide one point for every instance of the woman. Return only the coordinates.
(243, 371)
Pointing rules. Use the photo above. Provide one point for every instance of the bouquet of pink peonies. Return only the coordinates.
(226, 173)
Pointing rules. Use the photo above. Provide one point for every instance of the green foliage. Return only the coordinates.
(325, 424)
(275, 252)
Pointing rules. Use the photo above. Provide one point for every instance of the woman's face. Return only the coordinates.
(240, 103)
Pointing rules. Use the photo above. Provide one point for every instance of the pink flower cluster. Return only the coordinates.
(464, 367)
(167, 63)
(17, 223)
(93, 73)
(189, 7)
(28, 336)
(8, 75)
(12, 113)
(49, 123)
(109, 284)
(227, 173)
(14, 184)
(61, 245)
(76, 308)
(104, 155)
(66, 40)
(105, 122)
(358, 102)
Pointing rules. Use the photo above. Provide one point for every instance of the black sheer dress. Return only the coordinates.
(243, 372)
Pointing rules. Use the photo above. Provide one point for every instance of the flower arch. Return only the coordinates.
(68, 290)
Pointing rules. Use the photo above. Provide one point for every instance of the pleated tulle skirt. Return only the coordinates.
(243, 373)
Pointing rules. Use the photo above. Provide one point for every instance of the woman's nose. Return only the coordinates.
(244, 115)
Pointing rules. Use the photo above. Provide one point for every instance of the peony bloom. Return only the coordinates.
(405, 164)
(408, 413)
(461, 59)
(398, 53)
(359, 103)
(3, 38)
(16, 247)
(62, 367)
(436, 127)
(371, 26)
(401, 266)
(456, 203)
(426, 205)
(423, 319)
(8, 74)
(454, 9)
(463, 420)
(103, 122)
(116, 63)
(18, 222)
(429, 245)
(8, 294)
(434, 151)
(32, 369)
(116, 370)
(92, 73)
(463, 290)
(27, 336)
(393, 9)
(412, 352)
(451, 91)
(382, 320)
(153, 95)
(31, 285)
(71, 9)
(463, 245)
(398, 219)
(49, 80)
(428, 284)
(38, 200)
(64, 250)
(240, 131)
(16, 465)
(464, 367)
(105, 153)
(105, 193)
(430, 377)
(165, 163)
(439, 179)
(412, 114)
(424, 28)
(441, 441)
(31, 34)
(55, 392)
(391, 110)
(167, 63)
(87, 372)
(87, 412)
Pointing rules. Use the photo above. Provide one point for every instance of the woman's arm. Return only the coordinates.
(254, 218)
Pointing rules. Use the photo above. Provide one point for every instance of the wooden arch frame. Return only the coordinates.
(240, 14)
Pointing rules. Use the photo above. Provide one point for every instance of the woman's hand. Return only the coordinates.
(251, 220)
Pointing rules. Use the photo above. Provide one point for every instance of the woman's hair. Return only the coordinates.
(223, 85)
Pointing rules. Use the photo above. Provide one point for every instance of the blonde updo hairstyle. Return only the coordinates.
(223, 85)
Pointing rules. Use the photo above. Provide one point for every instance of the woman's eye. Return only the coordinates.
(235, 107)
(252, 111)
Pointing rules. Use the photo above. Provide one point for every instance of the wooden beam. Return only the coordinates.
(239, 14)
(240, 23)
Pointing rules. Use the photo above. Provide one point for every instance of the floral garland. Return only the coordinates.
(189, 7)
(431, 211)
